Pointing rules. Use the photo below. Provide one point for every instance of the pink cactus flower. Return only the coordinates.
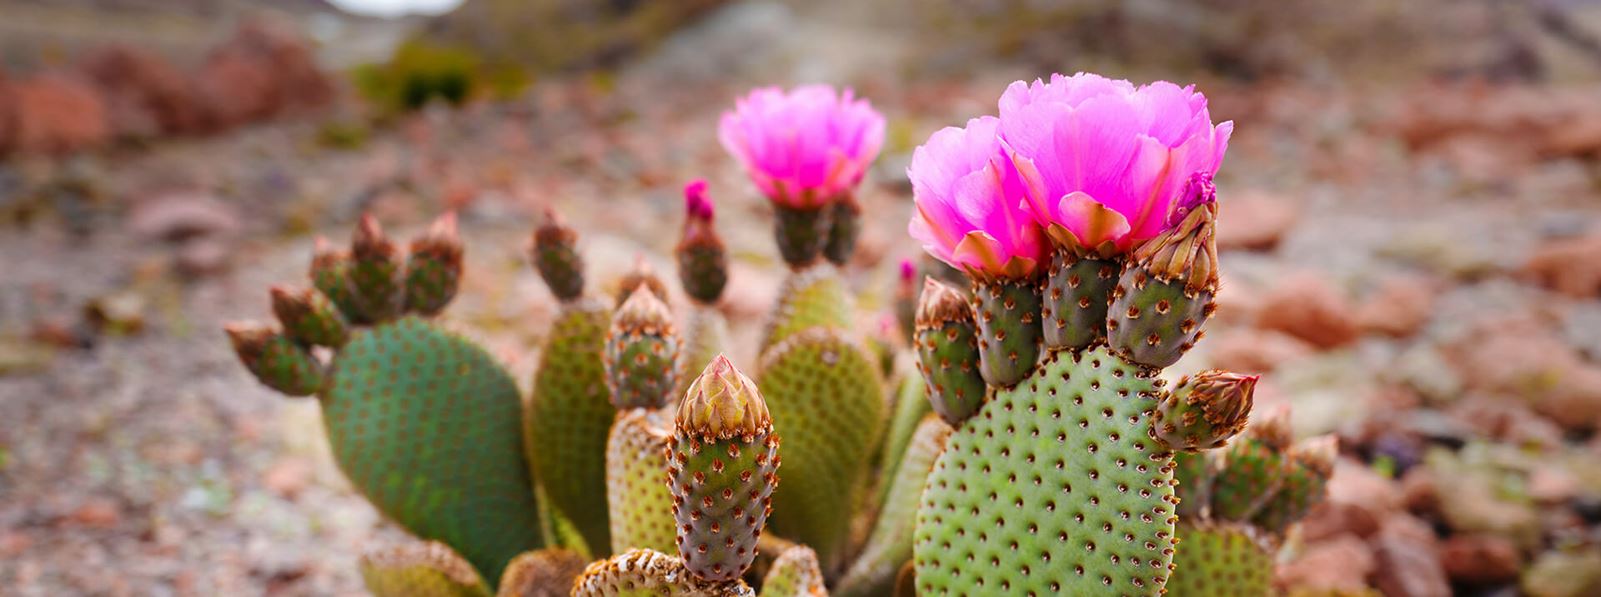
(1105, 163)
(696, 204)
(969, 204)
(805, 147)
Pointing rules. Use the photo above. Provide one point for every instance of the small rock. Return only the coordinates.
(121, 313)
(55, 114)
(288, 477)
(1564, 574)
(1332, 519)
(1399, 308)
(1480, 559)
(1255, 220)
(182, 216)
(1338, 564)
(1522, 357)
(1552, 484)
(1569, 266)
(14, 543)
(1247, 350)
(97, 512)
(1306, 306)
(1408, 559)
(1419, 493)
(203, 257)
(1358, 485)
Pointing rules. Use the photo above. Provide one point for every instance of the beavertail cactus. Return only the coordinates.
(422, 421)
(703, 272)
(1238, 503)
(570, 413)
(1060, 480)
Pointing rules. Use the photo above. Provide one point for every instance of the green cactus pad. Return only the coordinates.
(280, 363)
(1250, 472)
(1305, 483)
(827, 403)
(1193, 472)
(801, 233)
(705, 337)
(424, 423)
(795, 573)
(569, 416)
(419, 570)
(911, 405)
(431, 282)
(640, 508)
(947, 357)
(1154, 322)
(643, 368)
(375, 275)
(309, 317)
(1055, 487)
(328, 271)
(722, 495)
(1077, 293)
(890, 544)
(543, 573)
(647, 573)
(1221, 560)
(813, 297)
(1008, 318)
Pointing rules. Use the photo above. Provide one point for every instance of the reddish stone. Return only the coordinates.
(1342, 563)
(1400, 307)
(1306, 306)
(54, 114)
(1570, 266)
(1248, 350)
(1255, 220)
(1408, 557)
(144, 91)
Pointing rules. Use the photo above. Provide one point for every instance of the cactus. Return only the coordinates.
(1037, 449)
(422, 421)
(570, 413)
(1245, 497)
(1060, 478)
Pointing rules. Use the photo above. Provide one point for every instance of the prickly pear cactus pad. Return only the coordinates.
(648, 573)
(426, 425)
(827, 402)
(810, 298)
(417, 417)
(794, 574)
(419, 570)
(1055, 486)
(889, 546)
(1221, 560)
(639, 505)
(569, 417)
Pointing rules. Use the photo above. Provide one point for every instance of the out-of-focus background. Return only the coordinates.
(1411, 225)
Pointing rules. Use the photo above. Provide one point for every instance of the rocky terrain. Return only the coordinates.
(1416, 265)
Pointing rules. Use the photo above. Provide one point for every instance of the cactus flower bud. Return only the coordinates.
(277, 361)
(377, 288)
(555, 255)
(722, 468)
(1161, 302)
(641, 351)
(702, 258)
(1205, 410)
(947, 351)
(1009, 331)
(308, 317)
(844, 226)
(906, 288)
(1078, 291)
(642, 275)
(328, 268)
(433, 271)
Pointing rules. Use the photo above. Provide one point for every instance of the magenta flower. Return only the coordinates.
(1106, 162)
(969, 204)
(805, 147)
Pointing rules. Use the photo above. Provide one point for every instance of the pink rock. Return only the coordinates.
(288, 477)
(1342, 563)
(1355, 484)
(1408, 557)
(1254, 220)
(144, 91)
(1246, 350)
(1569, 266)
(1400, 307)
(55, 114)
(1480, 559)
(1332, 519)
(1306, 306)
(1522, 358)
